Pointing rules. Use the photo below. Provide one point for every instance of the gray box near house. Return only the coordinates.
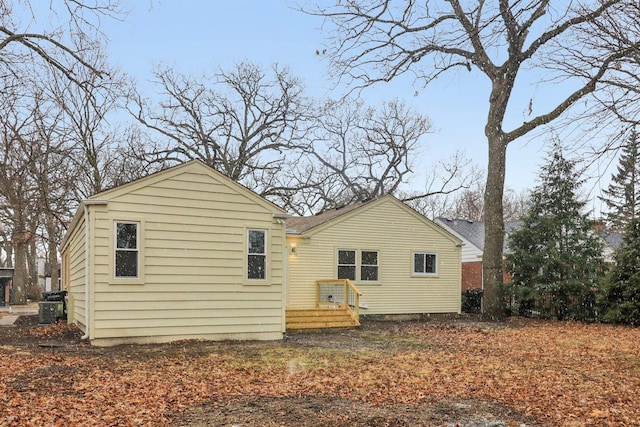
(50, 312)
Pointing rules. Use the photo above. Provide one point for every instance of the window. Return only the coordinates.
(352, 261)
(347, 264)
(424, 263)
(126, 249)
(257, 255)
(369, 266)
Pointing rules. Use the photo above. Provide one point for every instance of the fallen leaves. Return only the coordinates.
(52, 330)
(561, 374)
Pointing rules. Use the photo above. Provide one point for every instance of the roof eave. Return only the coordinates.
(78, 215)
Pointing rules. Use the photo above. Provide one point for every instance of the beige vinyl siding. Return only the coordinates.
(76, 280)
(193, 228)
(396, 232)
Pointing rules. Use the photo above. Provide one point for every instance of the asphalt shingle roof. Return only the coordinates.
(473, 231)
(301, 224)
(613, 238)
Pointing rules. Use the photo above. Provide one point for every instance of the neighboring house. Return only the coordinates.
(44, 276)
(472, 235)
(6, 279)
(402, 262)
(184, 253)
(612, 241)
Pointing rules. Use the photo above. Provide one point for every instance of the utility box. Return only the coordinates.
(50, 312)
(57, 296)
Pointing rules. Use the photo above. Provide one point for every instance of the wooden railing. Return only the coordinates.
(338, 293)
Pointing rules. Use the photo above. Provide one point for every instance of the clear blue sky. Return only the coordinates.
(199, 35)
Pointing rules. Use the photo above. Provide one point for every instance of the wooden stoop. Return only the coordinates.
(319, 318)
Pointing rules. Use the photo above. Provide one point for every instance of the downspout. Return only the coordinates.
(87, 265)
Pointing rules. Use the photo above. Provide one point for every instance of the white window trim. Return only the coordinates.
(413, 264)
(377, 265)
(266, 259)
(137, 250)
(358, 264)
(355, 265)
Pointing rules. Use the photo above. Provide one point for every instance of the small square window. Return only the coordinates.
(347, 257)
(126, 263)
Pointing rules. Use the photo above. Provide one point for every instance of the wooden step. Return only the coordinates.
(319, 318)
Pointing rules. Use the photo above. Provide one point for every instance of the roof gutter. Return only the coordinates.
(281, 217)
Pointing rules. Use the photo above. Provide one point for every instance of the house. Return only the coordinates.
(401, 262)
(472, 235)
(186, 253)
(611, 240)
(181, 254)
(6, 279)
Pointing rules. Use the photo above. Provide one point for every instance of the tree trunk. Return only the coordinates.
(21, 274)
(8, 249)
(33, 288)
(53, 254)
(492, 264)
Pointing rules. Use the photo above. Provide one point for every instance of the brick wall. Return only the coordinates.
(471, 275)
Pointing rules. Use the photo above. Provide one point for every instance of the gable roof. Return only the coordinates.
(192, 165)
(103, 197)
(473, 231)
(311, 224)
(611, 238)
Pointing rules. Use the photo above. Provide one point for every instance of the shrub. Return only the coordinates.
(472, 301)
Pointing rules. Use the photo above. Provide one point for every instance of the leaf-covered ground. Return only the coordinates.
(383, 374)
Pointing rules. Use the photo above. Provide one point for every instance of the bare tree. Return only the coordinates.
(55, 179)
(73, 29)
(126, 164)
(459, 193)
(446, 178)
(80, 151)
(61, 46)
(355, 153)
(468, 202)
(91, 125)
(17, 190)
(516, 203)
(576, 43)
(240, 122)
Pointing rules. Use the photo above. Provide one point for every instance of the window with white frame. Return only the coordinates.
(127, 249)
(257, 254)
(425, 263)
(347, 264)
(362, 265)
(369, 266)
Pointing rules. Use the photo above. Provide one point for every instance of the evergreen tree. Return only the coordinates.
(555, 258)
(623, 195)
(620, 300)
